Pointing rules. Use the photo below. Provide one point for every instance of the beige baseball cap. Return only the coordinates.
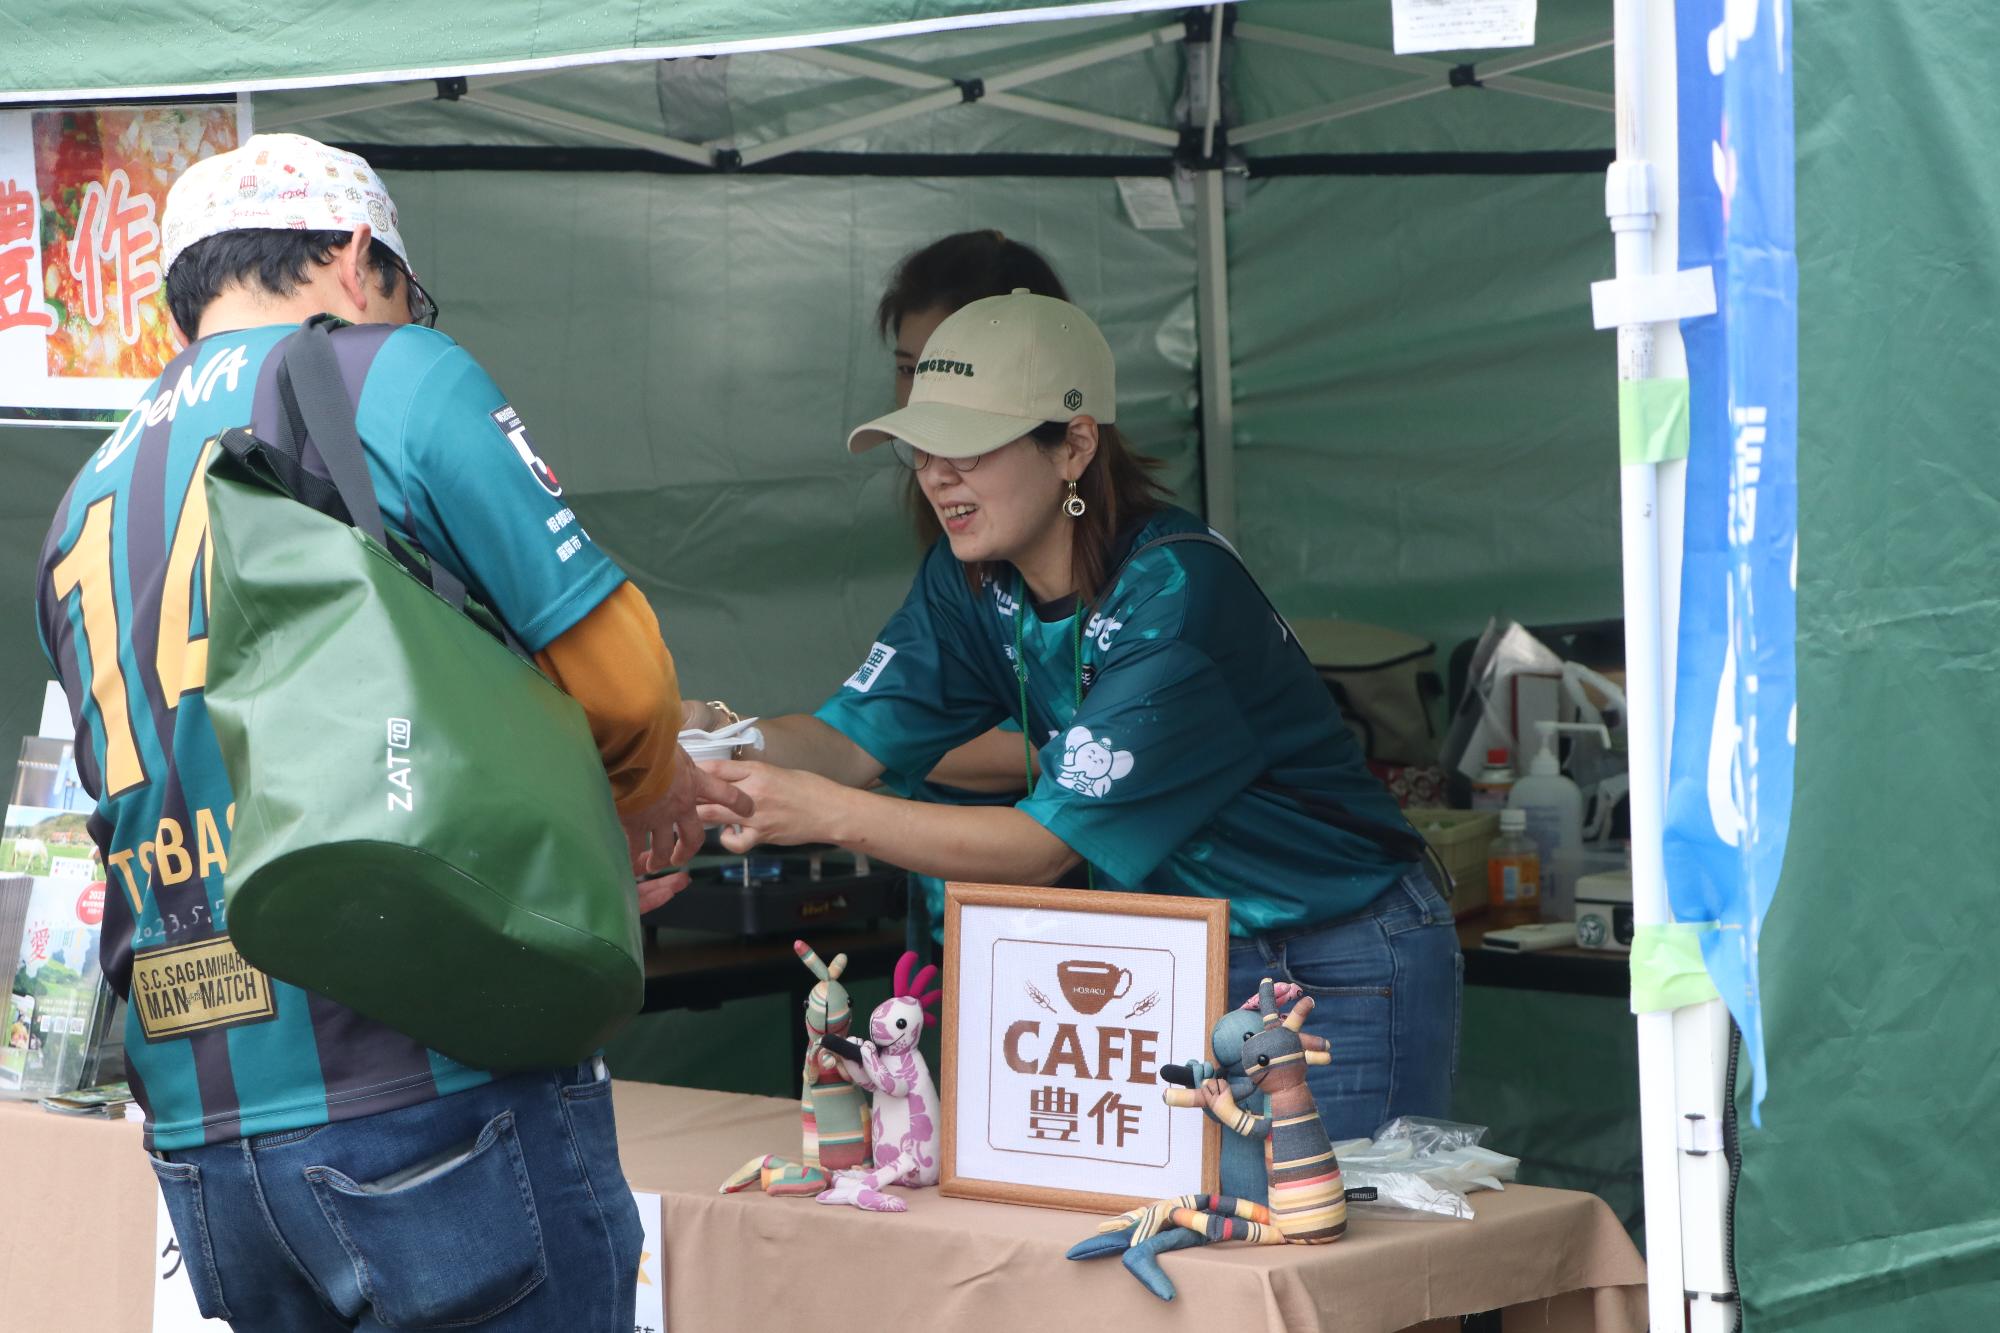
(994, 371)
(277, 181)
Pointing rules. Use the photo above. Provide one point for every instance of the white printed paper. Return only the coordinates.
(1150, 204)
(649, 1314)
(1462, 25)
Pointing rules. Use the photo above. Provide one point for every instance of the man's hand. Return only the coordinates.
(669, 832)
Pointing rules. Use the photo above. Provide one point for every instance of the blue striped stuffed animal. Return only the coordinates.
(1307, 1203)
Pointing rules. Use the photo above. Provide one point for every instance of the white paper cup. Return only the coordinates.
(702, 746)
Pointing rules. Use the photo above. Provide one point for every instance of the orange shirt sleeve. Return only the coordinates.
(614, 664)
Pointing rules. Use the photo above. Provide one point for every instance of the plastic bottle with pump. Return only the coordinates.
(1552, 803)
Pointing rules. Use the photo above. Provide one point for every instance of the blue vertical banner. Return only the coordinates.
(1729, 794)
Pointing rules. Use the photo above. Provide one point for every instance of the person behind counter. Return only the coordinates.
(1186, 745)
(926, 286)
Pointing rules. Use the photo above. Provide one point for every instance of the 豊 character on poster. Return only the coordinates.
(17, 254)
(1052, 1114)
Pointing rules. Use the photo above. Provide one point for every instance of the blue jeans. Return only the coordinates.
(1385, 984)
(500, 1208)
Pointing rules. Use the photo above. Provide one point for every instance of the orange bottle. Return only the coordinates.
(1514, 871)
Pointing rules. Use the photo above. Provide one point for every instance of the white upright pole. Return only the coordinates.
(1218, 411)
(1629, 202)
(1211, 231)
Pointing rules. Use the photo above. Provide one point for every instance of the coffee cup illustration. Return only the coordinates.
(1090, 986)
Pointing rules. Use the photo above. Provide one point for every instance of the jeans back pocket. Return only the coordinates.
(449, 1242)
(180, 1186)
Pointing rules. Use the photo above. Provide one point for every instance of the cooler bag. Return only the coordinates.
(423, 830)
(1385, 683)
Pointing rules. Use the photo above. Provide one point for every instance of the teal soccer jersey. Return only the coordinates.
(216, 1049)
(1201, 727)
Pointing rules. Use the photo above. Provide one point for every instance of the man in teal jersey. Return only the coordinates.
(322, 1170)
(1186, 745)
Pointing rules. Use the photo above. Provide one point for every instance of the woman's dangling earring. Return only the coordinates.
(1074, 505)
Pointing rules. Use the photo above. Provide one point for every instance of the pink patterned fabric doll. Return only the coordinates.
(907, 1116)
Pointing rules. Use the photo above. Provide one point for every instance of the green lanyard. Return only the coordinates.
(1021, 604)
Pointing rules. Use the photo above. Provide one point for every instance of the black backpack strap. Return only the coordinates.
(316, 407)
(1402, 843)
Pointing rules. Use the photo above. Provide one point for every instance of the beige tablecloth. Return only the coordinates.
(79, 1203)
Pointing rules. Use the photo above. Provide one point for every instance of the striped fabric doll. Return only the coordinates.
(1307, 1201)
(905, 1112)
(833, 1112)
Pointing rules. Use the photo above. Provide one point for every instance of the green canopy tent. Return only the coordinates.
(1366, 352)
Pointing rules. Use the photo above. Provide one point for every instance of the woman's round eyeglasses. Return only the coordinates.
(916, 460)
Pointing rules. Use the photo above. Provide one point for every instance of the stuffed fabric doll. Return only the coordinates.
(1307, 1201)
(1242, 1159)
(906, 1113)
(833, 1112)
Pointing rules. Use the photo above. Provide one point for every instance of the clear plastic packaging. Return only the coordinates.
(1422, 1169)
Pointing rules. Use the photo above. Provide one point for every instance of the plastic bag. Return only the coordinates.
(1421, 1168)
(1485, 716)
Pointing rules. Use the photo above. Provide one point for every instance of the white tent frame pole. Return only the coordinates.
(1158, 135)
(1537, 56)
(1428, 86)
(937, 92)
(1551, 92)
(1212, 103)
(570, 120)
(1501, 75)
(862, 67)
(380, 99)
(1085, 58)
(921, 105)
(1262, 34)
(1218, 408)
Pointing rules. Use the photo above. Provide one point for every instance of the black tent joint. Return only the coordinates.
(1190, 156)
(971, 90)
(1199, 24)
(451, 89)
(1462, 76)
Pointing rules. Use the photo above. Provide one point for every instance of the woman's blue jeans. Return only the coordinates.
(501, 1209)
(1385, 984)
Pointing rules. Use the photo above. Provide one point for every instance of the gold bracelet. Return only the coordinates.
(725, 710)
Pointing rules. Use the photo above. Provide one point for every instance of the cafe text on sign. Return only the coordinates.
(1081, 1035)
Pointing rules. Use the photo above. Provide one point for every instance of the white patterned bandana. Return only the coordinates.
(278, 182)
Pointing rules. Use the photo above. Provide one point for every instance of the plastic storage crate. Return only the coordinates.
(1461, 839)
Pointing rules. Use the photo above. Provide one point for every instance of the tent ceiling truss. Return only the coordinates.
(1204, 148)
(1432, 77)
(1204, 144)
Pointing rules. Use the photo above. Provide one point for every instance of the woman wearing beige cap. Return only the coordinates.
(1186, 746)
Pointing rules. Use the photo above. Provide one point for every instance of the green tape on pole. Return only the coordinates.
(1652, 420)
(1667, 971)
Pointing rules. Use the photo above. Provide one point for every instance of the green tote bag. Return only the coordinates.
(424, 831)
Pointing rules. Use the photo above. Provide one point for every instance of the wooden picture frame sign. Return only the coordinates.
(1060, 1008)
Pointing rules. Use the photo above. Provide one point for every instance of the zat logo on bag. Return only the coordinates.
(509, 422)
(403, 791)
